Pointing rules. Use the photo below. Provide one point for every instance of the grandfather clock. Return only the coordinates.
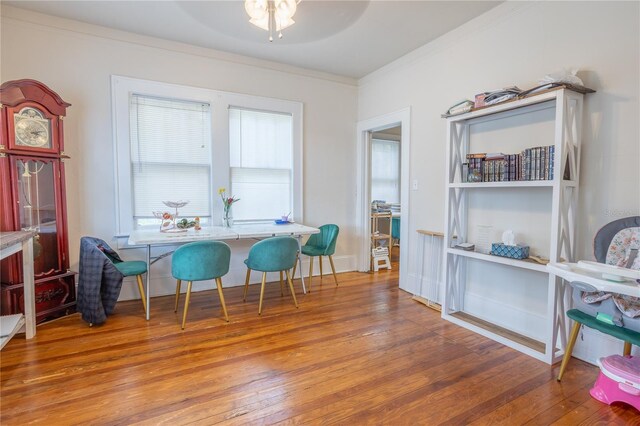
(33, 196)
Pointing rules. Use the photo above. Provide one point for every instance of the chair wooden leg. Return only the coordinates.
(281, 285)
(246, 285)
(178, 288)
(295, 265)
(141, 291)
(224, 307)
(310, 273)
(320, 260)
(264, 280)
(186, 304)
(627, 349)
(567, 353)
(333, 269)
(293, 293)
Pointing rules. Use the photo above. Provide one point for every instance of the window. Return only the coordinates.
(385, 170)
(170, 156)
(261, 163)
(176, 142)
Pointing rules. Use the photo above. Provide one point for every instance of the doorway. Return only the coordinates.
(384, 193)
(395, 127)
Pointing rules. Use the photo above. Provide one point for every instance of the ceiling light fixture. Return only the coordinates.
(271, 15)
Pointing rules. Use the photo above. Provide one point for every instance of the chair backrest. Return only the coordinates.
(326, 239)
(202, 260)
(273, 254)
(605, 235)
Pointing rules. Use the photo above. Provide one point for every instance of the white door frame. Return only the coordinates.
(402, 118)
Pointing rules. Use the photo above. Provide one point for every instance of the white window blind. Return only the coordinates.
(261, 162)
(170, 156)
(385, 170)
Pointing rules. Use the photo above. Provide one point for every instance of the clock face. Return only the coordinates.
(32, 129)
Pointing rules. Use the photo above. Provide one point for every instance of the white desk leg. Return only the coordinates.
(147, 295)
(304, 289)
(29, 288)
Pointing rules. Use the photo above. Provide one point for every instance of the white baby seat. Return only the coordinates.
(616, 243)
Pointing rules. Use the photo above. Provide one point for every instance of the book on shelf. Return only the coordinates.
(494, 156)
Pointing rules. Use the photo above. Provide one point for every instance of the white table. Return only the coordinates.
(156, 238)
(572, 272)
(12, 243)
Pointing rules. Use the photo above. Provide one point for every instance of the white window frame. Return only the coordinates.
(220, 102)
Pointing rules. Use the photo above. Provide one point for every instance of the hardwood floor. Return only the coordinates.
(361, 353)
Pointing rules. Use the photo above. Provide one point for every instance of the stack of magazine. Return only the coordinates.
(501, 95)
(465, 246)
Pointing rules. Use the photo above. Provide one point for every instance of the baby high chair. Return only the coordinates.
(617, 244)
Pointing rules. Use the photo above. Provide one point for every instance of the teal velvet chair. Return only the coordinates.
(199, 261)
(131, 268)
(134, 268)
(275, 254)
(318, 245)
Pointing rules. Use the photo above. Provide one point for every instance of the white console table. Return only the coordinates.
(12, 243)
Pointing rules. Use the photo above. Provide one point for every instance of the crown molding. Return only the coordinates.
(469, 29)
(65, 25)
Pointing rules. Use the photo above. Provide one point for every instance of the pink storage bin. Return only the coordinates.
(619, 381)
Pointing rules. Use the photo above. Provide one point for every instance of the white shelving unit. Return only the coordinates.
(567, 124)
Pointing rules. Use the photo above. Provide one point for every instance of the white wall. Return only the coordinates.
(77, 60)
(518, 43)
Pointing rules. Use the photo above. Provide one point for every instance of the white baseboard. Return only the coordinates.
(163, 284)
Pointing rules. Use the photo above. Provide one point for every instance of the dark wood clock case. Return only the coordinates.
(32, 196)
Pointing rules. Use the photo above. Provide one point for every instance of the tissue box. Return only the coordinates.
(514, 252)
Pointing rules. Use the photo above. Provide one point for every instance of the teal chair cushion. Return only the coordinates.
(134, 267)
(202, 260)
(613, 330)
(323, 243)
(273, 254)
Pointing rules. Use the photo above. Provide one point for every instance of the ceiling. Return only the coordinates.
(347, 38)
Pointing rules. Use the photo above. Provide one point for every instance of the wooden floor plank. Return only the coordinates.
(362, 352)
(528, 406)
